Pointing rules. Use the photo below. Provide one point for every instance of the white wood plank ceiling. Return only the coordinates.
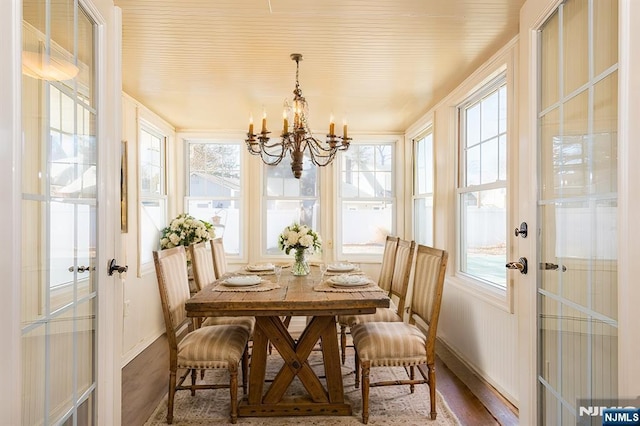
(381, 64)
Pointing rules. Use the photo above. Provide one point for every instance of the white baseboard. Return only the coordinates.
(478, 372)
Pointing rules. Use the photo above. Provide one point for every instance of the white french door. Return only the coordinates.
(576, 255)
(63, 216)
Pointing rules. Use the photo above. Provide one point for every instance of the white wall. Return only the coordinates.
(142, 311)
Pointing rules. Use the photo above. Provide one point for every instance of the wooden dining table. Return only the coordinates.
(296, 296)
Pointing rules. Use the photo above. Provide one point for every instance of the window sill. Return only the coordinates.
(501, 299)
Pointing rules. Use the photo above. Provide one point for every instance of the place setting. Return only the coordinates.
(245, 283)
(342, 268)
(347, 283)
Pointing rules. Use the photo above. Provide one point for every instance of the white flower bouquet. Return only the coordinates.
(185, 230)
(299, 237)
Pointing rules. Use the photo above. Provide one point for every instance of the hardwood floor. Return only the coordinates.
(145, 382)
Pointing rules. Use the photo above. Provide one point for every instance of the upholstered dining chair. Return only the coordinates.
(400, 344)
(203, 275)
(214, 347)
(394, 278)
(219, 257)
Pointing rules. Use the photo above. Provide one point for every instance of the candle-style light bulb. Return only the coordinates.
(250, 124)
(264, 121)
(344, 129)
(332, 125)
(285, 125)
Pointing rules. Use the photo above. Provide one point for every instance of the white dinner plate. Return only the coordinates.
(242, 281)
(340, 267)
(260, 267)
(349, 280)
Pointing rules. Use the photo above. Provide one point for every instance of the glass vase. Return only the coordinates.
(300, 265)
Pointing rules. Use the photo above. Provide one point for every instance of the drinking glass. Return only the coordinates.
(278, 271)
(323, 269)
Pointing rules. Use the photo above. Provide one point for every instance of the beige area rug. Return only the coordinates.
(389, 405)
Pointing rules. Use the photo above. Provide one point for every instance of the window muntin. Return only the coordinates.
(153, 192)
(288, 200)
(367, 198)
(482, 189)
(423, 189)
(214, 188)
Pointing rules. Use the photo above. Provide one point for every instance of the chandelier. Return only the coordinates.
(297, 139)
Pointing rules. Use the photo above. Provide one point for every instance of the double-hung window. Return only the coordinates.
(423, 188)
(153, 190)
(288, 200)
(366, 199)
(482, 185)
(214, 189)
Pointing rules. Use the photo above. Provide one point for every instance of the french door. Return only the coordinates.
(577, 202)
(60, 220)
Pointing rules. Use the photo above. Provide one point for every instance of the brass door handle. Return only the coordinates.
(520, 265)
(552, 267)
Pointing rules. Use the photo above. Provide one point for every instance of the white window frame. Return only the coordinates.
(265, 199)
(416, 196)
(240, 198)
(144, 266)
(394, 199)
(499, 296)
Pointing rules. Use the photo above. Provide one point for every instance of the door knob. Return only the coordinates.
(112, 267)
(552, 267)
(82, 268)
(523, 230)
(520, 265)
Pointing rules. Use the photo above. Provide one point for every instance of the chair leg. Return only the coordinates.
(193, 381)
(366, 367)
(233, 389)
(412, 375)
(356, 362)
(343, 342)
(245, 369)
(172, 394)
(432, 389)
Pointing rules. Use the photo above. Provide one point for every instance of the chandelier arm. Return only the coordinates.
(320, 148)
(320, 156)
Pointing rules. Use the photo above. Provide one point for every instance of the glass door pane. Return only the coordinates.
(577, 209)
(60, 223)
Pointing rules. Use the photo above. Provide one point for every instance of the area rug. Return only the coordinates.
(388, 405)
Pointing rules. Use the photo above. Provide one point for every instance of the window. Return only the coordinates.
(214, 189)
(482, 188)
(289, 200)
(367, 198)
(153, 191)
(423, 189)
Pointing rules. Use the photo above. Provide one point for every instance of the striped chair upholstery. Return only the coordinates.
(409, 345)
(219, 257)
(220, 346)
(397, 286)
(388, 262)
(203, 275)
